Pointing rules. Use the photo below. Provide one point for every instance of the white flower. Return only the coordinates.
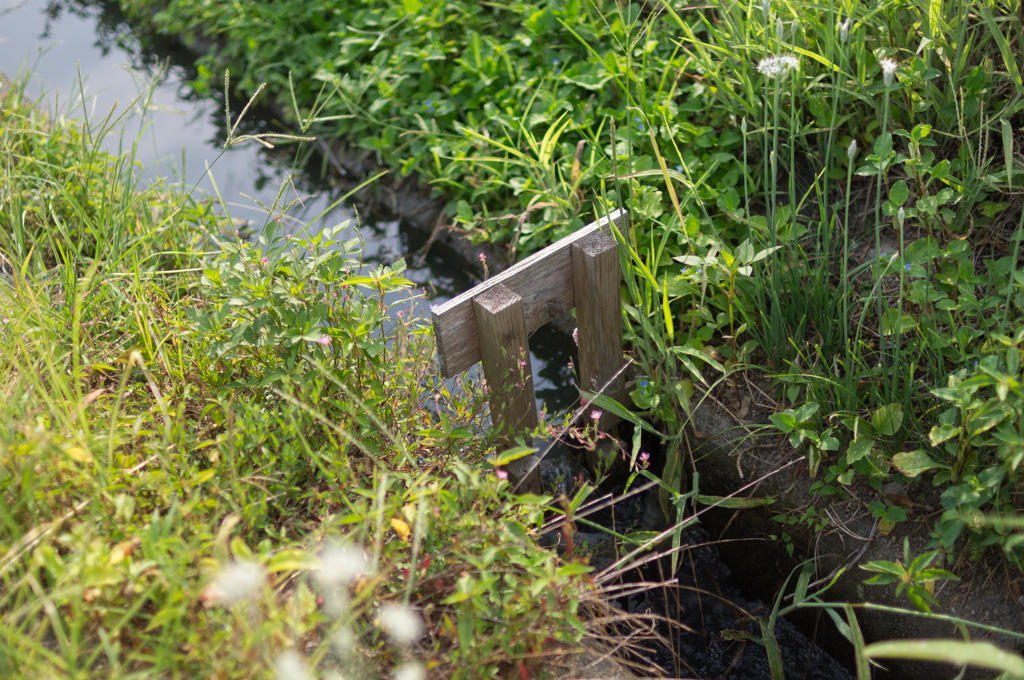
(844, 30)
(343, 641)
(401, 623)
(901, 215)
(779, 30)
(851, 151)
(290, 666)
(766, 7)
(888, 70)
(236, 582)
(410, 671)
(340, 565)
(777, 66)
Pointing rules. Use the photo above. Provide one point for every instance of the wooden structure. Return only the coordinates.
(491, 323)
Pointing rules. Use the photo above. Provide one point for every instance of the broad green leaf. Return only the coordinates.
(941, 433)
(922, 250)
(805, 412)
(888, 419)
(745, 252)
(785, 421)
(899, 193)
(859, 447)
(913, 463)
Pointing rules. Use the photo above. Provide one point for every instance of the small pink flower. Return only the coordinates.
(583, 402)
(645, 459)
(501, 474)
(264, 260)
(522, 363)
(576, 336)
(401, 314)
(483, 258)
(596, 415)
(324, 340)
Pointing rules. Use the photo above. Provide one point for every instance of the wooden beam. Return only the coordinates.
(505, 355)
(543, 281)
(597, 279)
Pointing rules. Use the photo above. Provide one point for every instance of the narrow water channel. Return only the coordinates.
(179, 129)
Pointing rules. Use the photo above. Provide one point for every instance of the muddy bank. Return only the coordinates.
(710, 609)
(728, 457)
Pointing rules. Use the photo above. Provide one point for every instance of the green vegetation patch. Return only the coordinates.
(226, 459)
(827, 193)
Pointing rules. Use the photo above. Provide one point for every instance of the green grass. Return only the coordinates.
(530, 119)
(219, 459)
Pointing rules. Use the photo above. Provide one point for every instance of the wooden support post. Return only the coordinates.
(596, 278)
(505, 354)
(544, 280)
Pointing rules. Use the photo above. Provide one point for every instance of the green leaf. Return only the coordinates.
(941, 433)
(745, 252)
(804, 413)
(899, 193)
(896, 514)
(859, 447)
(515, 453)
(895, 322)
(888, 419)
(785, 421)
(956, 652)
(291, 559)
(922, 250)
(913, 463)
(574, 569)
(608, 404)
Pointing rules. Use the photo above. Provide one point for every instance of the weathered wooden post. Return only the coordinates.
(491, 323)
(505, 356)
(596, 279)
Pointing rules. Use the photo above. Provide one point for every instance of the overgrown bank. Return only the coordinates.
(823, 191)
(219, 458)
(881, 389)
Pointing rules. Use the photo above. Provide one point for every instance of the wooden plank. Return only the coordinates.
(597, 279)
(543, 281)
(505, 354)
